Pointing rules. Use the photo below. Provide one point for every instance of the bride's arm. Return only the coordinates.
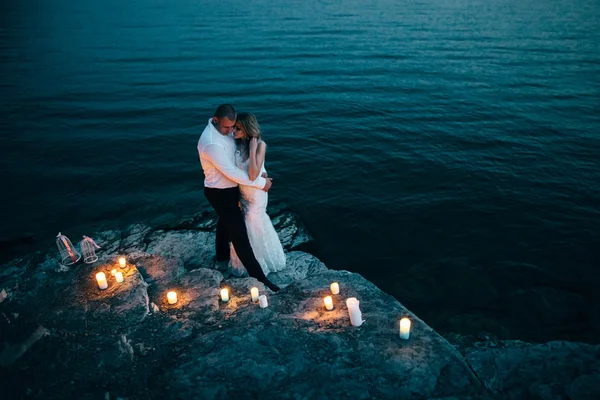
(257, 157)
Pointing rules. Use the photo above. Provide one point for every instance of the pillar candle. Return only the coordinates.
(335, 288)
(101, 278)
(353, 309)
(122, 262)
(119, 277)
(254, 294)
(172, 297)
(328, 303)
(224, 294)
(113, 272)
(404, 328)
(262, 299)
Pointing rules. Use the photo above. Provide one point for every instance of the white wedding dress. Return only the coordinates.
(261, 233)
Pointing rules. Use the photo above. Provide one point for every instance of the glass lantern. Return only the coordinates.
(68, 254)
(88, 248)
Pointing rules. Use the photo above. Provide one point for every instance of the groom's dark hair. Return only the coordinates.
(226, 110)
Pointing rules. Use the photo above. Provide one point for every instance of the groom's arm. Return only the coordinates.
(216, 154)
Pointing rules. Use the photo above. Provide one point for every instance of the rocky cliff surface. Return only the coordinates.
(63, 337)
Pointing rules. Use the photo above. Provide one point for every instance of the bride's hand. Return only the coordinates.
(253, 145)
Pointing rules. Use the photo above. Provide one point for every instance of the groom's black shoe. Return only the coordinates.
(274, 288)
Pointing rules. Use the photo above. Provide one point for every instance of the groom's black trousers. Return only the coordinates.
(232, 227)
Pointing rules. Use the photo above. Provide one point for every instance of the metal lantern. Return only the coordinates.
(68, 254)
(88, 248)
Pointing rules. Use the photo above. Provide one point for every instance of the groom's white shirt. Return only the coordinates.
(216, 156)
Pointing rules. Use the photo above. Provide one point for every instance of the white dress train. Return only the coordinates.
(263, 238)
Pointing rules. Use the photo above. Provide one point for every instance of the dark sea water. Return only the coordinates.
(449, 151)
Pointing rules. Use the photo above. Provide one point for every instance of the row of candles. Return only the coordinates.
(262, 299)
(352, 303)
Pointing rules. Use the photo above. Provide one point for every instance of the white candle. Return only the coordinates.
(404, 328)
(328, 303)
(224, 294)
(101, 278)
(172, 297)
(113, 272)
(119, 277)
(122, 262)
(262, 300)
(353, 309)
(335, 288)
(254, 294)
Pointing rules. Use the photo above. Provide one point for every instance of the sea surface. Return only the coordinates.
(447, 150)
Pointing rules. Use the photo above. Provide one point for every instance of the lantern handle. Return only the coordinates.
(89, 239)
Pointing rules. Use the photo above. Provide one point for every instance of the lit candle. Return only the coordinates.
(172, 297)
(404, 328)
(328, 303)
(101, 278)
(113, 272)
(262, 300)
(353, 309)
(122, 262)
(254, 294)
(119, 277)
(224, 294)
(335, 288)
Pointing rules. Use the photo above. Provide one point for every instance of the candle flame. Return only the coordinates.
(172, 297)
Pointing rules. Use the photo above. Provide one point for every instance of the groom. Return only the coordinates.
(217, 150)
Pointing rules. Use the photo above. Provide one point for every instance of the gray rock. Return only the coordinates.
(205, 220)
(10, 272)
(196, 249)
(197, 291)
(291, 231)
(299, 265)
(12, 353)
(159, 270)
(286, 236)
(584, 387)
(295, 346)
(518, 370)
(202, 347)
(109, 241)
(133, 239)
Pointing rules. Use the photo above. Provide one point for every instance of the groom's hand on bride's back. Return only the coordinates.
(268, 184)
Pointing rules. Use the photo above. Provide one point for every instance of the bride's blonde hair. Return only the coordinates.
(250, 124)
(251, 128)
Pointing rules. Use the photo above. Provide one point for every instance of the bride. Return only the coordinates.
(250, 156)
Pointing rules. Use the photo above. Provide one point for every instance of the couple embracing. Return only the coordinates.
(232, 154)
